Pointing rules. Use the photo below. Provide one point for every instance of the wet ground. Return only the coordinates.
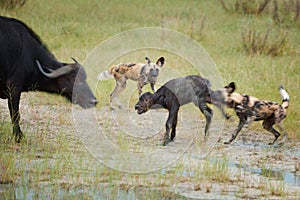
(249, 157)
(254, 169)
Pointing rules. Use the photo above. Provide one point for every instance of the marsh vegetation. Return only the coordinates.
(258, 51)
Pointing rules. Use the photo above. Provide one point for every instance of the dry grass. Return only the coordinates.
(273, 42)
(11, 4)
(283, 12)
(52, 160)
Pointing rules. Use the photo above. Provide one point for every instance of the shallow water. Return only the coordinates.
(288, 177)
(8, 191)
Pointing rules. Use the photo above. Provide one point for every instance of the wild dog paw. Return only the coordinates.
(227, 142)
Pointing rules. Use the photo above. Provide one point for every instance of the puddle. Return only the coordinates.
(287, 177)
(8, 191)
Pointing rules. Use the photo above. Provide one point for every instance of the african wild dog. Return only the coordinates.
(142, 73)
(174, 94)
(249, 108)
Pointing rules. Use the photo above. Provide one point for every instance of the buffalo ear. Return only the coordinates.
(160, 62)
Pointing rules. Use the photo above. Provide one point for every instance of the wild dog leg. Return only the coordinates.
(218, 105)
(284, 135)
(226, 115)
(153, 87)
(269, 127)
(140, 85)
(245, 112)
(120, 86)
(236, 132)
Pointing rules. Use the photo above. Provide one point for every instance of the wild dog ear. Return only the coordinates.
(148, 60)
(230, 88)
(160, 62)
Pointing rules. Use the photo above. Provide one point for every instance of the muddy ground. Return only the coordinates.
(250, 160)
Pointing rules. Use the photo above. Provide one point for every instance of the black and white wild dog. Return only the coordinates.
(249, 108)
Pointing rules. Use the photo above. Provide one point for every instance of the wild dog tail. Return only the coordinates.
(115, 71)
(107, 74)
(104, 75)
(285, 97)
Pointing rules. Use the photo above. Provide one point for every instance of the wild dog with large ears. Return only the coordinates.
(249, 108)
(140, 72)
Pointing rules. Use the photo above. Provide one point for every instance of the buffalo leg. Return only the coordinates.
(269, 127)
(236, 132)
(171, 125)
(174, 124)
(13, 105)
(208, 113)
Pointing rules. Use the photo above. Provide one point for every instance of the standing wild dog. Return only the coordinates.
(249, 108)
(142, 73)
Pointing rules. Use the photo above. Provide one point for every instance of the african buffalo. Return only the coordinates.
(26, 64)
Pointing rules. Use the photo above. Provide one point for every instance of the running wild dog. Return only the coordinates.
(174, 94)
(142, 73)
(249, 108)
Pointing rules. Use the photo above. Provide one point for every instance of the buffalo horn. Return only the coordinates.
(74, 60)
(55, 73)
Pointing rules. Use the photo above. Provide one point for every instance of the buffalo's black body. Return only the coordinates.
(26, 64)
(174, 94)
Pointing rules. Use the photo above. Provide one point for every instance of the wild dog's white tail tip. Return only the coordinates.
(104, 75)
(284, 94)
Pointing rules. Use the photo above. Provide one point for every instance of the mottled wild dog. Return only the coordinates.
(174, 94)
(140, 72)
(249, 108)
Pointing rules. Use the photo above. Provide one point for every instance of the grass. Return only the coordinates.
(216, 170)
(74, 29)
(53, 161)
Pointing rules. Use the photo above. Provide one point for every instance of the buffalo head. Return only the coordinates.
(69, 81)
(144, 104)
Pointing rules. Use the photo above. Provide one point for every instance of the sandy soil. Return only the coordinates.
(139, 136)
